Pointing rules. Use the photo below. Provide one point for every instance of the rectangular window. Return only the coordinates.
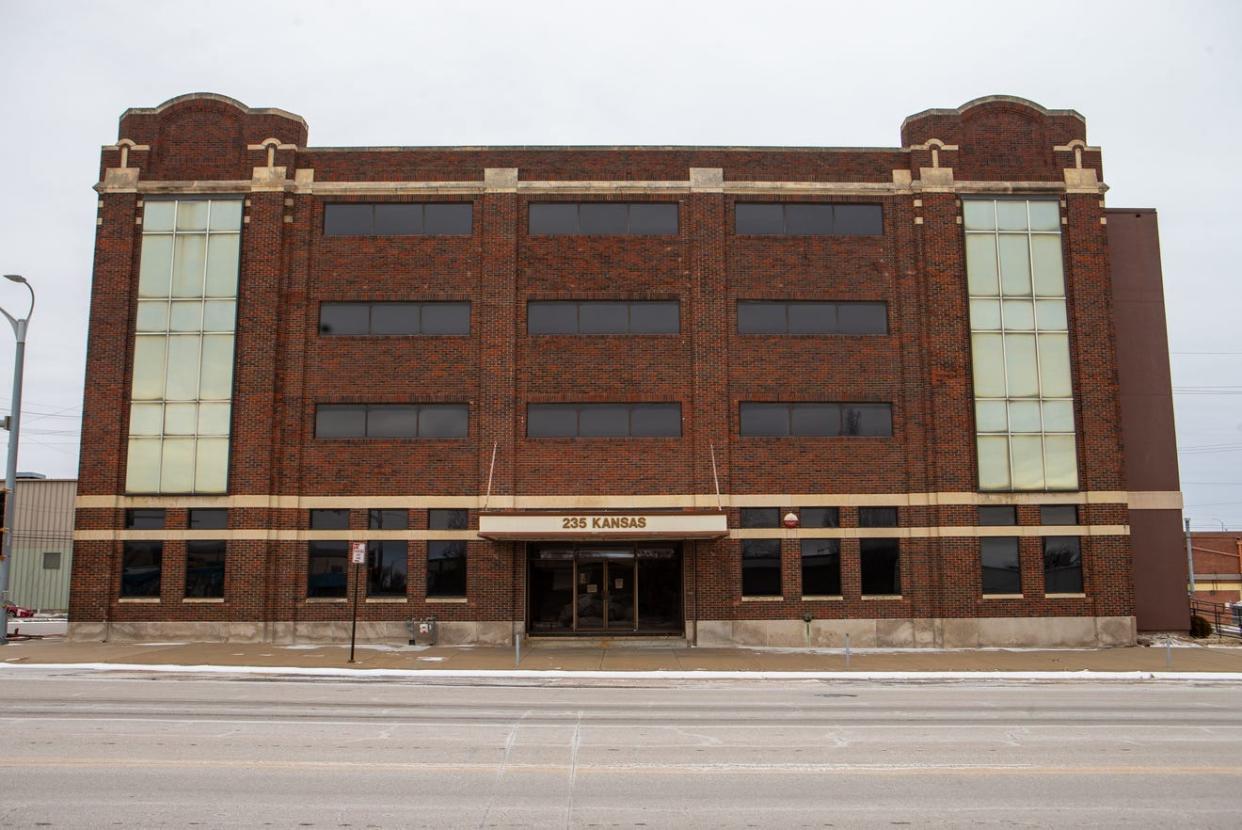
(603, 317)
(1001, 569)
(204, 569)
(1062, 565)
(387, 566)
(807, 419)
(51, 560)
(797, 317)
(448, 519)
(1058, 514)
(430, 319)
(388, 519)
(399, 219)
(998, 515)
(880, 563)
(446, 568)
(603, 420)
(821, 568)
(326, 568)
(144, 518)
(1024, 406)
(820, 517)
(603, 219)
(760, 516)
(213, 518)
(140, 569)
(182, 387)
(761, 567)
(392, 421)
(877, 517)
(329, 519)
(807, 219)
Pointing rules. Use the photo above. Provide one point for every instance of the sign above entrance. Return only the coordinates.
(603, 525)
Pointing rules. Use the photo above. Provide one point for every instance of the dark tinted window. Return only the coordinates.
(448, 519)
(820, 517)
(204, 569)
(880, 563)
(998, 515)
(821, 567)
(144, 518)
(636, 420)
(761, 567)
(602, 219)
(208, 519)
(51, 560)
(877, 517)
(807, 219)
(387, 564)
(1058, 514)
(446, 569)
(140, 568)
(815, 419)
(326, 564)
(603, 317)
(1000, 566)
(388, 519)
(329, 520)
(1062, 565)
(760, 516)
(798, 317)
(392, 421)
(398, 219)
(435, 318)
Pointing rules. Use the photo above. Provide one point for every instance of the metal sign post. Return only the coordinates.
(358, 555)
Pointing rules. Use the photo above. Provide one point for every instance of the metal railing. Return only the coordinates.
(1226, 620)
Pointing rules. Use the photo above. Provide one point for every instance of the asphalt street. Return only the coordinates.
(87, 749)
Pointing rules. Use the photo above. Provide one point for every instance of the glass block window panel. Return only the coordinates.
(999, 565)
(182, 387)
(1024, 408)
(761, 567)
(821, 567)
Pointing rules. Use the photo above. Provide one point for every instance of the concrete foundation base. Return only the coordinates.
(392, 633)
(973, 632)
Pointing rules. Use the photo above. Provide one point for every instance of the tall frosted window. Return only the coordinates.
(1024, 407)
(182, 390)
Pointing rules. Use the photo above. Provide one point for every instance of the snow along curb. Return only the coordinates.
(520, 674)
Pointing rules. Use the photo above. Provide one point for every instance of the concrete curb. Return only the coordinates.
(520, 674)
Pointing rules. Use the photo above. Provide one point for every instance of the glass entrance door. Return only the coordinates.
(614, 589)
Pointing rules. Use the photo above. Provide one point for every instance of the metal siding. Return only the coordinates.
(43, 521)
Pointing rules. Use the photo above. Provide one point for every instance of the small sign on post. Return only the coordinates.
(358, 556)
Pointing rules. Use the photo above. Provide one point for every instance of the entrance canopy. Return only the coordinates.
(587, 526)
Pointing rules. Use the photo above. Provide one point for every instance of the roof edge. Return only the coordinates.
(993, 99)
(214, 96)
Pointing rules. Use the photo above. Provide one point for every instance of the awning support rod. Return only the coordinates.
(715, 477)
(490, 470)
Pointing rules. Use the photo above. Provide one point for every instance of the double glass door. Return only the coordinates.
(614, 589)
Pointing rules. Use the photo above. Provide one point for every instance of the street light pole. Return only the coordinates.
(14, 424)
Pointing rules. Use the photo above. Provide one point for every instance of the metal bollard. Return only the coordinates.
(847, 651)
(517, 649)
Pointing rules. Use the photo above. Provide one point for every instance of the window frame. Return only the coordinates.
(792, 407)
(372, 304)
(463, 557)
(788, 304)
(629, 318)
(803, 556)
(367, 408)
(750, 548)
(423, 205)
(577, 408)
(577, 204)
(786, 234)
(1011, 541)
(224, 564)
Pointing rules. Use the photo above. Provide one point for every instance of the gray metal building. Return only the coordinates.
(42, 543)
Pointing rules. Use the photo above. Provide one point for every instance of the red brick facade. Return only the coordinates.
(203, 144)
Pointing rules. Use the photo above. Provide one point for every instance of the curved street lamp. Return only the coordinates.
(19, 325)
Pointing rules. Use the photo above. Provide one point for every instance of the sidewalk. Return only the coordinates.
(622, 658)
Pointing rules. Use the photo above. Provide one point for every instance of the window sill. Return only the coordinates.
(139, 600)
(1065, 596)
(763, 599)
(461, 600)
(325, 600)
(1004, 596)
(823, 598)
(203, 600)
(881, 597)
(386, 600)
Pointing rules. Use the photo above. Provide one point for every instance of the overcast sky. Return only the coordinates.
(1157, 82)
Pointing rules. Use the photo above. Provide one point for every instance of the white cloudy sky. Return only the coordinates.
(1157, 82)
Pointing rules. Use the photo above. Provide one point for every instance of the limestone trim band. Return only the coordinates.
(1137, 500)
(285, 535)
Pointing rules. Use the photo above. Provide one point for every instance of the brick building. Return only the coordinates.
(1218, 565)
(916, 394)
